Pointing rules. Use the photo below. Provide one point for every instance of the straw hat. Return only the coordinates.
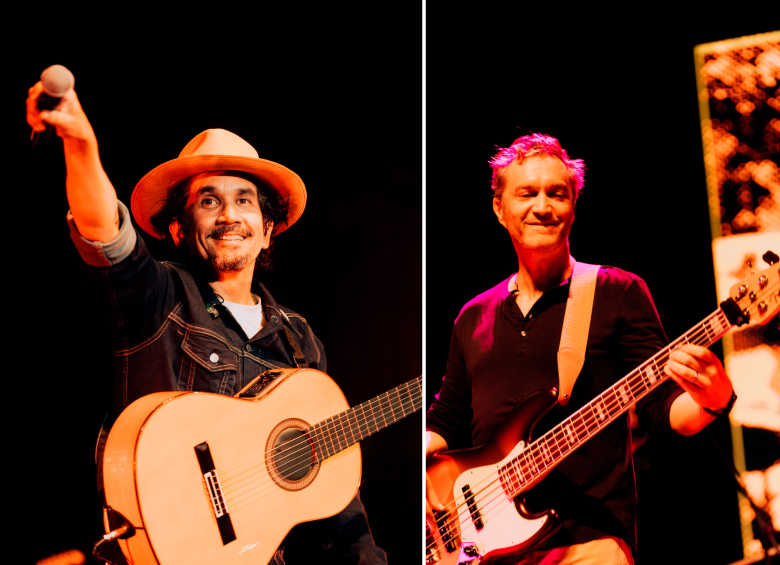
(215, 150)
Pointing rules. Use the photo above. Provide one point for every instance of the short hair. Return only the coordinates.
(533, 145)
(273, 206)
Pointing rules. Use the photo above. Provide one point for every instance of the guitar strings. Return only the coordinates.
(634, 379)
(304, 441)
(662, 356)
(304, 453)
(250, 487)
(339, 425)
(290, 466)
(699, 335)
(530, 466)
(307, 444)
(586, 419)
(255, 489)
(250, 478)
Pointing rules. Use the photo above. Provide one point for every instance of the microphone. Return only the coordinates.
(57, 80)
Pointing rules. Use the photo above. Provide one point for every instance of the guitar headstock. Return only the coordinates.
(758, 295)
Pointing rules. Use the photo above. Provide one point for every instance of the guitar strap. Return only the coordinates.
(297, 354)
(258, 384)
(576, 324)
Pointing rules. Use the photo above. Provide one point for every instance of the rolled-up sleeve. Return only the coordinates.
(100, 254)
(450, 414)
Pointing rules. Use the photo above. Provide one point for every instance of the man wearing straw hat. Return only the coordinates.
(208, 325)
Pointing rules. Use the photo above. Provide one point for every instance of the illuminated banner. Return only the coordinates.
(739, 104)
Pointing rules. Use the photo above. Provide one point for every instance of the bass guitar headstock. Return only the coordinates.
(756, 298)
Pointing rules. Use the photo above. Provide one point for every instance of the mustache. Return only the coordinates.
(222, 230)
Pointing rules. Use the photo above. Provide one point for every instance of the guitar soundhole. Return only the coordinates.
(292, 465)
(293, 455)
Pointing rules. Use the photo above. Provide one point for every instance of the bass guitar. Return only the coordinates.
(485, 517)
(194, 477)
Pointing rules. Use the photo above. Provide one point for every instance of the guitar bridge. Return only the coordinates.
(215, 493)
(207, 468)
(431, 552)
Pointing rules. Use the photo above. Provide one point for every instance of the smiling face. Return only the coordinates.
(537, 205)
(224, 222)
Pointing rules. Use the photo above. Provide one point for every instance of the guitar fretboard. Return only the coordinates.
(351, 426)
(550, 449)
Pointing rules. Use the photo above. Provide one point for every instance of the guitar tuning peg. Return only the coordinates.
(770, 258)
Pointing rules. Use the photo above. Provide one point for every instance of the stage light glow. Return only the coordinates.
(737, 82)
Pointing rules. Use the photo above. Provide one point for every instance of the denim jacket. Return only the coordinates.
(164, 338)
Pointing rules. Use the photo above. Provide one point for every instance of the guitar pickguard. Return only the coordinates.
(503, 528)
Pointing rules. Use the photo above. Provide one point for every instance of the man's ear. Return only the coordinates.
(267, 234)
(174, 228)
(498, 208)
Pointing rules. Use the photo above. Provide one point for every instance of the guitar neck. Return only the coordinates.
(554, 446)
(351, 426)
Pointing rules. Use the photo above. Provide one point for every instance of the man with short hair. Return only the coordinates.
(504, 347)
(209, 324)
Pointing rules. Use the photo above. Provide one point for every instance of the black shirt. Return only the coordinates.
(498, 356)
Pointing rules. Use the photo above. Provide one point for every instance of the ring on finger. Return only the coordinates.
(695, 377)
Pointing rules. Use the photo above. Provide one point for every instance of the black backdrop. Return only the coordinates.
(617, 87)
(334, 94)
(336, 97)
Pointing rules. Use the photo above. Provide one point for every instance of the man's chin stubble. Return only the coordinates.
(229, 261)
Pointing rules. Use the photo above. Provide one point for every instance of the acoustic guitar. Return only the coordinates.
(485, 516)
(205, 478)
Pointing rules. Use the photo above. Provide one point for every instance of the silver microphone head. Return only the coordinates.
(57, 80)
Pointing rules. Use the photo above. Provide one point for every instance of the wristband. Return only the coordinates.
(723, 411)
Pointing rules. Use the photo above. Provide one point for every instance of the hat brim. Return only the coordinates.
(151, 191)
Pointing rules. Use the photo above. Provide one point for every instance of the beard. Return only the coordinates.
(231, 260)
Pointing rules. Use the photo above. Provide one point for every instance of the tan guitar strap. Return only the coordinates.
(576, 324)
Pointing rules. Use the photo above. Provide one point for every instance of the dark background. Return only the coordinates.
(617, 87)
(336, 97)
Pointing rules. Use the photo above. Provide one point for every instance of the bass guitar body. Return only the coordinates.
(201, 479)
(476, 507)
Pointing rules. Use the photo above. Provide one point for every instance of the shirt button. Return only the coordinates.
(248, 347)
(214, 358)
(522, 333)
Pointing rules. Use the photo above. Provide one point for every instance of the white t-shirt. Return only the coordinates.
(250, 318)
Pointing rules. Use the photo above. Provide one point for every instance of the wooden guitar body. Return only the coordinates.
(153, 476)
(498, 525)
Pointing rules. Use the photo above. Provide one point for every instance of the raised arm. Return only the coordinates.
(91, 195)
